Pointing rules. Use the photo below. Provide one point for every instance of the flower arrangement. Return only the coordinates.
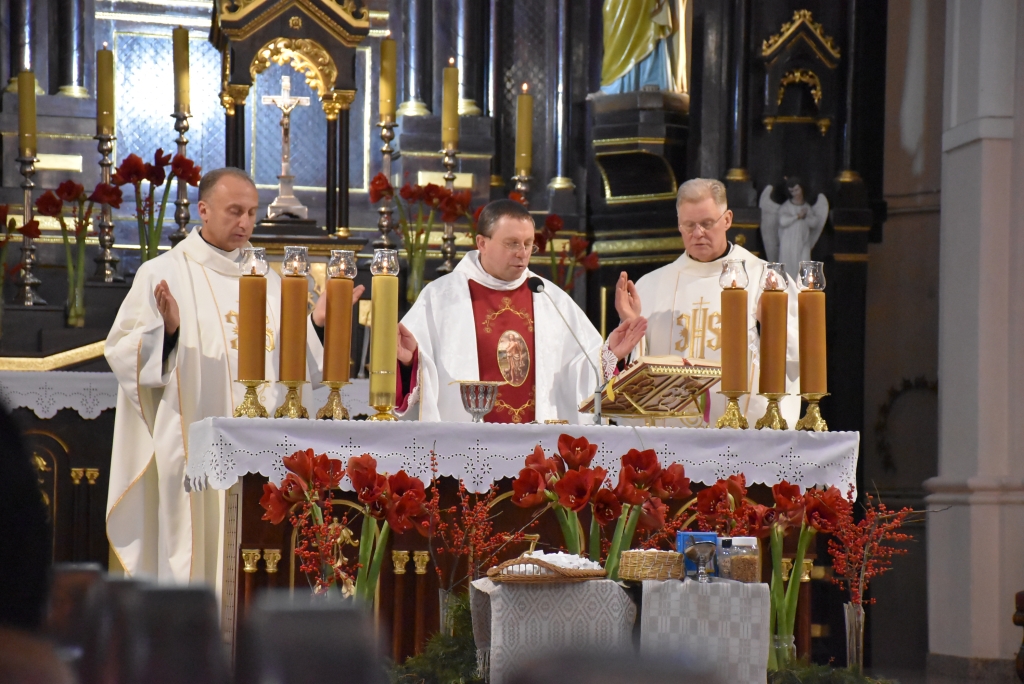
(568, 485)
(418, 209)
(304, 496)
(7, 230)
(51, 204)
(573, 255)
(133, 171)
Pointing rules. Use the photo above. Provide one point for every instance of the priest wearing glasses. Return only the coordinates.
(682, 300)
(489, 320)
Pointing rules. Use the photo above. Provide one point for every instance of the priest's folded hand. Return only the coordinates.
(168, 307)
(627, 299)
(625, 337)
(320, 308)
(407, 345)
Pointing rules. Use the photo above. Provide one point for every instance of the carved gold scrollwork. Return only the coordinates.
(337, 100)
(272, 558)
(801, 76)
(305, 55)
(250, 559)
(800, 18)
(401, 560)
(421, 559)
(233, 95)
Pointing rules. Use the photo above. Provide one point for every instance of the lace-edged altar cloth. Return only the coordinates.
(46, 393)
(222, 450)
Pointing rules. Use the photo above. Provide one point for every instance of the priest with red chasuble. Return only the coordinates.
(482, 321)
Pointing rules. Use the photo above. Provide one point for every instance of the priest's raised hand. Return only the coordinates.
(168, 307)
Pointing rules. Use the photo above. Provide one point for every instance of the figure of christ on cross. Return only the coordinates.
(286, 202)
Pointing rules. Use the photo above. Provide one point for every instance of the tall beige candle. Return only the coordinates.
(813, 356)
(383, 339)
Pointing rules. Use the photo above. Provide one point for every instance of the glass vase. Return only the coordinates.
(414, 279)
(854, 614)
(445, 599)
(75, 308)
(785, 650)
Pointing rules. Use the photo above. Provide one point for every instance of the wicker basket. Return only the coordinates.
(525, 569)
(637, 565)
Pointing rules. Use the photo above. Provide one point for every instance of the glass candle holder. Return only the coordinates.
(254, 261)
(774, 277)
(296, 261)
(812, 276)
(342, 264)
(385, 262)
(734, 275)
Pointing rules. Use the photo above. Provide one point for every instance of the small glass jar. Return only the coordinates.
(296, 261)
(723, 557)
(734, 275)
(385, 262)
(812, 275)
(773, 278)
(745, 559)
(254, 261)
(342, 264)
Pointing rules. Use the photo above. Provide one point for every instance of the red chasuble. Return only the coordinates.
(504, 348)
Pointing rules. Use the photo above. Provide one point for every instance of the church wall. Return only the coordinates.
(899, 441)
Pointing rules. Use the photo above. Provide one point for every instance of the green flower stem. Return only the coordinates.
(141, 218)
(778, 598)
(67, 256)
(595, 537)
(566, 520)
(154, 235)
(793, 588)
(366, 536)
(378, 558)
(611, 565)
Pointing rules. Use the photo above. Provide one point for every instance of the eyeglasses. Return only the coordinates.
(690, 226)
(513, 247)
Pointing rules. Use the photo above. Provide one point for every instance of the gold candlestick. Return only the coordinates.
(292, 406)
(380, 401)
(334, 409)
(251, 406)
(812, 420)
(733, 417)
(450, 154)
(772, 418)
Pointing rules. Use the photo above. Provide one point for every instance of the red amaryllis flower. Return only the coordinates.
(577, 453)
(328, 472)
(652, 515)
(672, 483)
(374, 494)
(161, 159)
(597, 477)
(591, 262)
(184, 168)
(553, 223)
(155, 172)
(607, 508)
(517, 197)
(789, 503)
(380, 187)
(70, 191)
(709, 498)
(362, 471)
(107, 194)
(476, 214)
(578, 246)
(573, 489)
(4, 210)
(48, 204)
(301, 463)
(541, 240)
(407, 511)
(30, 230)
(294, 489)
(131, 171)
(645, 466)
(759, 520)
(626, 491)
(274, 504)
(736, 485)
(400, 483)
(825, 508)
(547, 467)
(411, 193)
(528, 489)
(433, 194)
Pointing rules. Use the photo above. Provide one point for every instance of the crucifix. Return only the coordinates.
(286, 202)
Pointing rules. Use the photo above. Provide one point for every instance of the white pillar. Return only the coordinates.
(976, 548)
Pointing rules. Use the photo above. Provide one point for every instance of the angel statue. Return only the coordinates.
(791, 229)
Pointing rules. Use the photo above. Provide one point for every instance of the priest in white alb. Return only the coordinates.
(682, 300)
(173, 349)
(488, 320)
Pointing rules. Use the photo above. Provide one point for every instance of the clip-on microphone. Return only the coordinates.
(536, 285)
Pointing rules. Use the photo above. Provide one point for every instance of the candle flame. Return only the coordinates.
(388, 34)
(104, 45)
(253, 270)
(525, 88)
(451, 61)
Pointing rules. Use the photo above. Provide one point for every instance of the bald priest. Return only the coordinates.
(493, 319)
(173, 350)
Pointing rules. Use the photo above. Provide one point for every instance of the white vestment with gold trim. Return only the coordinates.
(155, 527)
(682, 302)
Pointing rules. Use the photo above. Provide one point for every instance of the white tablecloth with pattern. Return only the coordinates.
(725, 624)
(221, 450)
(45, 393)
(514, 623)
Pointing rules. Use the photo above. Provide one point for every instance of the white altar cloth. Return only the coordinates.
(46, 392)
(221, 450)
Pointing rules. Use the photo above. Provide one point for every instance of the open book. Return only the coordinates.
(657, 387)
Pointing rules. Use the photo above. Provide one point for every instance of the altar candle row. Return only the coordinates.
(253, 326)
(774, 310)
